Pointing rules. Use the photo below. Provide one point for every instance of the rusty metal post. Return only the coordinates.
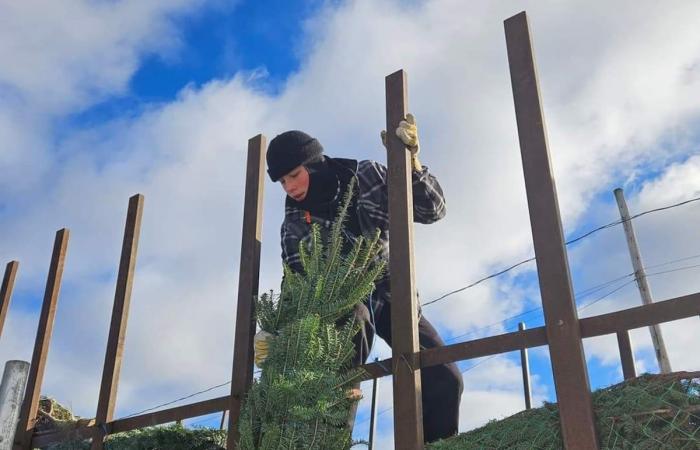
(120, 317)
(223, 419)
(249, 274)
(8, 282)
(30, 405)
(563, 331)
(626, 355)
(525, 366)
(373, 415)
(408, 406)
(640, 275)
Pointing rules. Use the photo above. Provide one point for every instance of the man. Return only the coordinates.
(315, 185)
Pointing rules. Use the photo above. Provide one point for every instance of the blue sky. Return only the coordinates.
(99, 100)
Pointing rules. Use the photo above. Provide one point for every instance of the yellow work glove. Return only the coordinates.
(354, 394)
(261, 343)
(407, 131)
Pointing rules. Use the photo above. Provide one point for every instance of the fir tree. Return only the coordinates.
(300, 400)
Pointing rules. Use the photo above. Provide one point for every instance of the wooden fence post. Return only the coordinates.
(8, 282)
(525, 366)
(561, 319)
(408, 406)
(120, 317)
(30, 405)
(249, 274)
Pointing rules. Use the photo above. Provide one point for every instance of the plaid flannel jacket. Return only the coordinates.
(372, 208)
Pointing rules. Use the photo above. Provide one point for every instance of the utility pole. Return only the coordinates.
(14, 379)
(640, 275)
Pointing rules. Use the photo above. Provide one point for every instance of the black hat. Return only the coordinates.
(289, 150)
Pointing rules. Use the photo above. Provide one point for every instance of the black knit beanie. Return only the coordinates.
(289, 150)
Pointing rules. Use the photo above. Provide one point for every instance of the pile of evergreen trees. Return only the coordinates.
(301, 399)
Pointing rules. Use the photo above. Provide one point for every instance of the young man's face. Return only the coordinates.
(296, 183)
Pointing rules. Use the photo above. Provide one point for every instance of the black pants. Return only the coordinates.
(441, 385)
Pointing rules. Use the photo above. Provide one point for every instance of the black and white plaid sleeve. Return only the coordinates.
(428, 198)
(292, 234)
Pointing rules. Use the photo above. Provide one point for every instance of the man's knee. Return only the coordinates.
(363, 339)
(444, 381)
(361, 314)
(454, 377)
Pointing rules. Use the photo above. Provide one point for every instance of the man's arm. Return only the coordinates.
(428, 199)
(291, 235)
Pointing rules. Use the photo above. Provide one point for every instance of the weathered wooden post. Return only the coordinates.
(249, 275)
(408, 406)
(120, 317)
(30, 405)
(525, 366)
(640, 275)
(8, 282)
(561, 319)
(14, 379)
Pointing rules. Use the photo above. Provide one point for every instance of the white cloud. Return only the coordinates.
(619, 97)
(670, 253)
(59, 57)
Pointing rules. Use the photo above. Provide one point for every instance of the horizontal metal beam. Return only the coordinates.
(627, 319)
(132, 423)
(492, 345)
(484, 347)
(170, 415)
(44, 438)
(641, 316)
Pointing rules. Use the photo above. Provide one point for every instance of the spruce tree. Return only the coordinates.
(301, 399)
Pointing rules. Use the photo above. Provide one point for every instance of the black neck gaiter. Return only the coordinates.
(323, 186)
(326, 192)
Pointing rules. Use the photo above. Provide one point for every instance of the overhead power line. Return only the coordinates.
(569, 242)
(177, 400)
(204, 391)
(588, 291)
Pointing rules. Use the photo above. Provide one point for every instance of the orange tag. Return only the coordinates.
(307, 216)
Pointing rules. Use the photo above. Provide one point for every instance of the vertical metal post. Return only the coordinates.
(640, 275)
(8, 282)
(373, 414)
(120, 317)
(561, 320)
(525, 365)
(30, 405)
(14, 378)
(626, 355)
(408, 406)
(223, 419)
(249, 274)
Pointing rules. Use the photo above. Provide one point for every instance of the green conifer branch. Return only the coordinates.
(300, 400)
